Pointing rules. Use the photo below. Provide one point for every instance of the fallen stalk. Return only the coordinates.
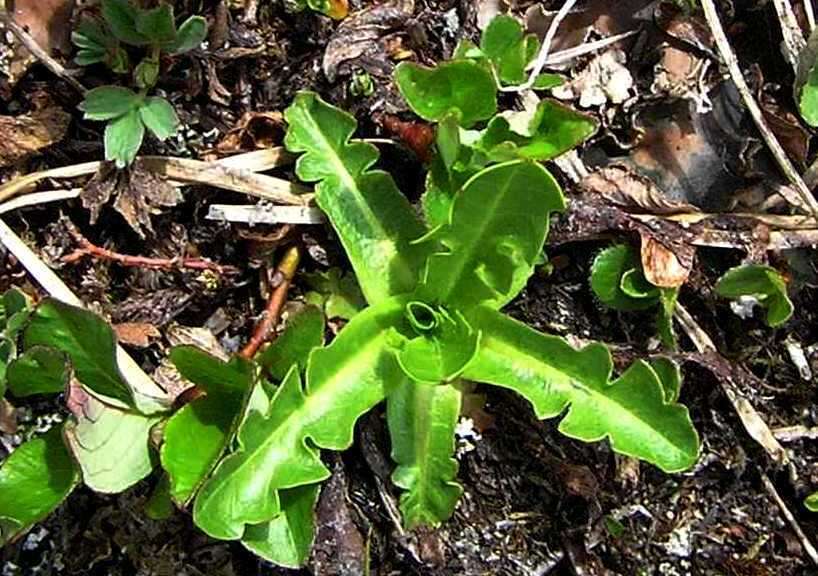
(283, 276)
(88, 249)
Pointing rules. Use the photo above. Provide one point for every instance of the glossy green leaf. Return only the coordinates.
(196, 436)
(40, 370)
(157, 23)
(811, 502)
(88, 342)
(336, 292)
(111, 445)
(763, 283)
(121, 17)
(286, 540)
(123, 138)
(441, 349)
(108, 102)
(278, 449)
(422, 420)
(462, 88)
(631, 411)
(34, 480)
(374, 221)
(496, 232)
(504, 43)
(670, 376)
(607, 273)
(190, 35)
(159, 117)
(304, 332)
(553, 130)
(634, 285)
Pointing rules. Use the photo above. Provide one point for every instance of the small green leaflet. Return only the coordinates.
(191, 34)
(508, 49)
(336, 292)
(123, 138)
(34, 480)
(109, 102)
(761, 282)
(159, 117)
(422, 419)
(304, 332)
(461, 88)
(376, 224)
(811, 502)
(632, 411)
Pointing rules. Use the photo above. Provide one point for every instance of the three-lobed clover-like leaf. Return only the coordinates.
(764, 284)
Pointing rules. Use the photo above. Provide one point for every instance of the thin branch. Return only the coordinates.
(808, 546)
(88, 249)
(545, 49)
(281, 283)
(31, 45)
(808, 201)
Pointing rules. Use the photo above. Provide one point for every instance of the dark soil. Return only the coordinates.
(535, 502)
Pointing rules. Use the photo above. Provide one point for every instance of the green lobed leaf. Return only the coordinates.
(34, 480)
(111, 445)
(422, 420)
(374, 221)
(123, 138)
(190, 35)
(157, 24)
(278, 449)
(39, 370)
(304, 332)
(461, 88)
(631, 411)
(761, 282)
(811, 502)
(286, 540)
(109, 102)
(122, 17)
(88, 342)
(197, 435)
(607, 272)
(159, 117)
(496, 232)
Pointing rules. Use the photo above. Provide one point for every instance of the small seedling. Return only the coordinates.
(761, 283)
(619, 282)
(130, 112)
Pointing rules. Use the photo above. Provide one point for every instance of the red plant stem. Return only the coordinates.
(281, 281)
(89, 249)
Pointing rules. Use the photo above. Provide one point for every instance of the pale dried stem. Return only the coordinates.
(810, 12)
(808, 202)
(806, 543)
(794, 41)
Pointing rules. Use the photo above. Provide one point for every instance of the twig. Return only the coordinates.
(265, 214)
(31, 45)
(152, 396)
(281, 282)
(794, 41)
(808, 10)
(89, 249)
(753, 422)
(809, 548)
(797, 432)
(545, 49)
(808, 201)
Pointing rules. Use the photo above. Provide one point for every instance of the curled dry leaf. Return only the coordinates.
(625, 188)
(362, 34)
(254, 131)
(664, 267)
(139, 334)
(22, 136)
(139, 194)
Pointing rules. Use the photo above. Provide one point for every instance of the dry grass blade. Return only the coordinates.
(808, 546)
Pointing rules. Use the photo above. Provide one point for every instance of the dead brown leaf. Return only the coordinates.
(664, 267)
(48, 21)
(8, 417)
(139, 194)
(253, 131)
(22, 136)
(139, 334)
(361, 34)
(625, 188)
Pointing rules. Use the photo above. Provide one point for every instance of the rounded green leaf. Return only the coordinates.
(611, 267)
(505, 46)
(462, 88)
(34, 480)
(159, 117)
(123, 138)
(157, 24)
(190, 35)
(762, 282)
(109, 102)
